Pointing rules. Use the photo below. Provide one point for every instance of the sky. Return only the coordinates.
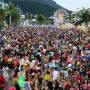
(74, 4)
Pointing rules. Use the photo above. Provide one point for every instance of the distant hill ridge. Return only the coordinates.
(46, 7)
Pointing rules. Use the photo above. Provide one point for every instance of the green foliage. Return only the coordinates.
(40, 19)
(2, 18)
(14, 13)
(5, 14)
(84, 17)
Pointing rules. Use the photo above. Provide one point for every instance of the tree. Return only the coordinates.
(40, 18)
(30, 16)
(13, 14)
(83, 17)
(71, 17)
(2, 17)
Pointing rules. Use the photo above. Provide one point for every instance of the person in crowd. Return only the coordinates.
(39, 58)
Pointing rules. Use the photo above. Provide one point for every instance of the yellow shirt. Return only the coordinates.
(15, 80)
(47, 77)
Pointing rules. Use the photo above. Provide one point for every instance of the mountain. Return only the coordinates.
(46, 7)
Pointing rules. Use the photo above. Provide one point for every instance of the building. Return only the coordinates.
(59, 17)
(3, 5)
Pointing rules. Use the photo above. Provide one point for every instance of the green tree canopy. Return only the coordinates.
(2, 17)
(83, 17)
(40, 18)
(13, 14)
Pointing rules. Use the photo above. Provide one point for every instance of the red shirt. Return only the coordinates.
(56, 56)
(2, 82)
(16, 63)
(79, 78)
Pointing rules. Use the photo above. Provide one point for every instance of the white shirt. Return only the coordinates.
(22, 62)
(55, 75)
(74, 48)
(66, 73)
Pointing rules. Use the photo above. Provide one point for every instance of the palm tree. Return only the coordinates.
(13, 14)
(83, 17)
(2, 17)
(40, 18)
(71, 17)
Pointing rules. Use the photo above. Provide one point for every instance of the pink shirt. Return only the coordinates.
(74, 88)
(88, 86)
(85, 86)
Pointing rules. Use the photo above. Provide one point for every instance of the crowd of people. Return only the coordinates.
(43, 58)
